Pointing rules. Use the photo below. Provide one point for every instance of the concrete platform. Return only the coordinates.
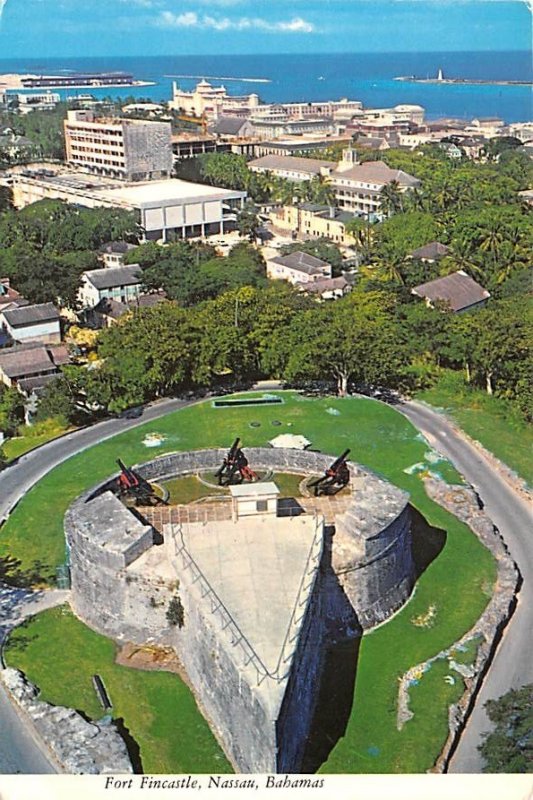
(258, 569)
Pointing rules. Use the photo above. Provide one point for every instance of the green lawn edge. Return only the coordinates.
(458, 582)
(491, 421)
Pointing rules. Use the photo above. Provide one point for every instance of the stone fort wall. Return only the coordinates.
(368, 558)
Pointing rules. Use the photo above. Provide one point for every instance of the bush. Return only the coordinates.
(175, 612)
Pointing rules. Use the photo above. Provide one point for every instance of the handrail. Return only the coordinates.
(250, 655)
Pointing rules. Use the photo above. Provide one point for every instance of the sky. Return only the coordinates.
(80, 28)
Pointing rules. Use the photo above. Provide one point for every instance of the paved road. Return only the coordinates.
(19, 752)
(513, 663)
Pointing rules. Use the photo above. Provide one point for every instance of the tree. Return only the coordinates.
(11, 410)
(391, 199)
(248, 223)
(354, 339)
(56, 401)
(509, 747)
(6, 198)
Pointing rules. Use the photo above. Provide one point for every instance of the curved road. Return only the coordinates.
(513, 516)
(513, 664)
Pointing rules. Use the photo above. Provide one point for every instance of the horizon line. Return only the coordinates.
(255, 55)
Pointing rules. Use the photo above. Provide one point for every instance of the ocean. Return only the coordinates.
(368, 77)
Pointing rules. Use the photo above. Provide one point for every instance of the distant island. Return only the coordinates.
(71, 80)
(473, 81)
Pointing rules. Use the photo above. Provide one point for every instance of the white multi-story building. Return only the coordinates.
(358, 186)
(292, 168)
(207, 100)
(130, 149)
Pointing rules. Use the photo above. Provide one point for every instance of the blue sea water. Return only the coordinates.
(368, 77)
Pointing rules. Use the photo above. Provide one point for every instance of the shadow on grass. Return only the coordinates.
(427, 542)
(12, 574)
(132, 747)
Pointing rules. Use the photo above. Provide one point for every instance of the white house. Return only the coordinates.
(37, 323)
(358, 186)
(298, 268)
(117, 283)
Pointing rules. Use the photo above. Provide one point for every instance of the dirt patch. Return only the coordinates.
(150, 657)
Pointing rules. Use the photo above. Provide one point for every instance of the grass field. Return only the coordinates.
(60, 655)
(490, 420)
(458, 583)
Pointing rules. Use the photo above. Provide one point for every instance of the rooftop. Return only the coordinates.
(25, 362)
(459, 290)
(117, 247)
(257, 570)
(303, 262)
(376, 172)
(254, 489)
(170, 190)
(292, 163)
(432, 251)
(31, 315)
(108, 278)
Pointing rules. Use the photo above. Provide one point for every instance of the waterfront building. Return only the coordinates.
(131, 149)
(292, 168)
(75, 79)
(172, 206)
(210, 101)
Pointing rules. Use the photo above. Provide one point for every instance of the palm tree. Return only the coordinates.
(391, 198)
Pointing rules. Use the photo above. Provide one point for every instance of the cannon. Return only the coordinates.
(235, 463)
(131, 484)
(335, 478)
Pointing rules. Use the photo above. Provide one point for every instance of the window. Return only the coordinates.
(261, 505)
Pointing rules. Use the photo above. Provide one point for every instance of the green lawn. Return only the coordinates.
(18, 445)
(489, 420)
(60, 654)
(458, 582)
(189, 488)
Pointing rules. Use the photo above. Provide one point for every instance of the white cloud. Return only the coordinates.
(190, 19)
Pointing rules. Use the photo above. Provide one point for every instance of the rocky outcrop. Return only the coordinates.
(80, 747)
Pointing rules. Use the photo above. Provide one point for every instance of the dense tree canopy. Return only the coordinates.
(509, 747)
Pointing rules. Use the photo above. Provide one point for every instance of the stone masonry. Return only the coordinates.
(80, 747)
(122, 583)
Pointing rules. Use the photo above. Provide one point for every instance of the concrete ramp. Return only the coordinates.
(262, 569)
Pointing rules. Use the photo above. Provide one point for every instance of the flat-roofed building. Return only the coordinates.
(174, 206)
(131, 149)
(32, 323)
(297, 268)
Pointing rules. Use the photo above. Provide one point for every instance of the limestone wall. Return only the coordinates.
(78, 746)
(262, 723)
(371, 547)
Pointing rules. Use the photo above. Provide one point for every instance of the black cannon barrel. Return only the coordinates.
(338, 461)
